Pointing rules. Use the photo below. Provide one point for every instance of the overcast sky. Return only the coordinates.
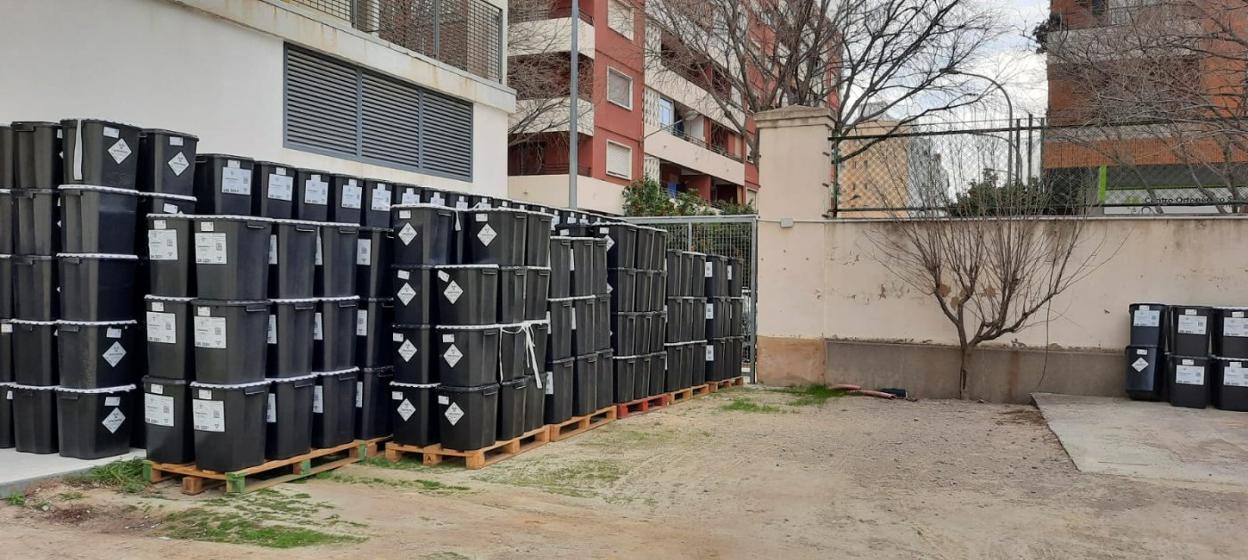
(1013, 57)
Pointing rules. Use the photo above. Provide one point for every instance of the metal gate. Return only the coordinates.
(730, 236)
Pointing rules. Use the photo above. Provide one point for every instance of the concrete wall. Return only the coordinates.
(552, 190)
(214, 69)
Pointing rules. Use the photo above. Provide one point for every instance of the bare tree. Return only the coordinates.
(538, 71)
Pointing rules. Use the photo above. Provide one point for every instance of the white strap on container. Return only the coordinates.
(35, 387)
(415, 385)
(98, 256)
(97, 323)
(292, 379)
(99, 188)
(338, 372)
(78, 151)
(99, 391)
(199, 385)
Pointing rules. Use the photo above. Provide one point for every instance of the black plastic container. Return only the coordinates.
(372, 263)
(658, 373)
(34, 419)
(160, 203)
(494, 236)
(534, 402)
(537, 239)
(229, 424)
(170, 340)
(413, 413)
(513, 351)
(167, 420)
(1189, 379)
(292, 250)
(599, 254)
(1145, 380)
(582, 266)
(8, 220)
(333, 334)
(623, 282)
(511, 408)
(312, 195)
(291, 327)
(223, 184)
(35, 285)
(425, 234)
(288, 417)
(347, 196)
(736, 277)
(651, 243)
(715, 275)
(6, 414)
(6, 351)
(1230, 332)
(540, 333)
(169, 254)
(585, 385)
(536, 293)
(413, 354)
(466, 294)
(100, 153)
(623, 333)
(333, 408)
(467, 356)
(602, 323)
(232, 257)
(676, 367)
(96, 219)
(718, 314)
(1230, 384)
(560, 267)
(562, 315)
(511, 297)
(675, 271)
(584, 328)
(37, 215)
(378, 197)
(559, 388)
(736, 324)
(648, 291)
(8, 149)
(230, 341)
(335, 260)
(625, 378)
(641, 376)
(372, 403)
(408, 194)
(37, 155)
(273, 188)
(92, 423)
(605, 384)
(95, 355)
(34, 353)
(1190, 329)
(467, 416)
(372, 333)
(1148, 322)
(703, 309)
(166, 161)
(622, 247)
(413, 294)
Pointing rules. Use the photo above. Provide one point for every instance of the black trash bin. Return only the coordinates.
(466, 294)
(232, 257)
(658, 373)
(1230, 384)
(537, 239)
(347, 200)
(34, 419)
(584, 329)
(413, 354)
(425, 234)
(335, 260)
(641, 376)
(625, 378)
(94, 355)
(536, 293)
(622, 244)
(273, 185)
(560, 267)
(623, 282)
(606, 380)
(534, 402)
(675, 367)
(35, 284)
(229, 424)
(169, 255)
(100, 153)
(624, 327)
(167, 420)
(288, 417)
(230, 341)
(170, 331)
(559, 390)
(413, 294)
(92, 423)
(379, 197)
(1230, 332)
(1148, 324)
(585, 385)
(291, 328)
(166, 161)
(6, 415)
(223, 184)
(511, 297)
(494, 236)
(716, 276)
(98, 219)
(34, 353)
(581, 264)
(372, 403)
(333, 335)
(599, 254)
(372, 263)
(562, 314)
(37, 215)
(467, 416)
(372, 333)
(37, 154)
(312, 195)
(1189, 381)
(467, 356)
(333, 408)
(413, 413)
(511, 408)
(1190, 326)
(292, 250)
(1145, 380)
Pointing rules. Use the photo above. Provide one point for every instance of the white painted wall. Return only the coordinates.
(552, 190)
(167, 64)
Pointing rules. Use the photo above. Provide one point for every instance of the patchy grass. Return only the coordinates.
(407, 465)
(70, 496)
(270, 505)
(811, 395)
(202, 524)
(123, 476)
(580, 479)
(16, 499)
(446, 555)
(420, 485)
(746, 405)
(616, 437)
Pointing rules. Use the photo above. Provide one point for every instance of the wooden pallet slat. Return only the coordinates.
(480, 458)
(640, 406)
(580, 424)
(196, 480)
(716, 386)
(699, 390)
(679, 396)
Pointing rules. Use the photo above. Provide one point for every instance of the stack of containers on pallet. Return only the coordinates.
(638, 284)
(291, 321)
(725, 321)
(1146, 354)
(687, 319)
(375, 317)
(1229, 369)
(7, 228)
(578, 262)
(1189, 360)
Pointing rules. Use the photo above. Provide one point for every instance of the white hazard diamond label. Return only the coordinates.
(179, 164)
(610, 243)
(452, 355)
(1139, 364)
(406, 293)
(406, 409)
(452, 292)
(486, 235)
(120, 150)
(407, 234)
(114, 420)
(407, 350)
(453, 414)
(114, 354)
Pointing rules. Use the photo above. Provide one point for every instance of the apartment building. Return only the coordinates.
(638, 117)
(409, 91)
(892, 177)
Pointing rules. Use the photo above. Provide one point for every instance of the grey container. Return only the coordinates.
(560, 267)
(312, 195)
(335, 260)
(467, 356)
(170, 345)
(494, 236)
(6, 286)
(169, 255)
(373, 258)
(34, 353)
(625, 378)
(372, 403)
(92, 423)
(334, 335)
(230, 341)
(534, 402)
(467, 416)
(223, 184)
(232, 257)
(37, 215)
(536, 293)
(37, 154)
(97, 287)
(291, 326)
(346, 195)
(413, 294)
(96, 219)
(623, 283)
(167, 420)
(333, 408)
(585, 385)
(424, 234)
(292, 250)
(95, 355)
(511, 408)
(100, 153)
(511, 297)
(606, 379)
(378, 198)
(413, 354)
(6, 351)
(34, 419)
(35, 287)
(8, 221)
(559, 388)
(166, 162)
(584, 328)
(273, 190)
(537, 239)
(372, 333)
(414, 414)
(562, 312)
(1191, 327)
(466, 294)
(288, 417)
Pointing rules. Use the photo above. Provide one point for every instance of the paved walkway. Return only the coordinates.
(18, 470)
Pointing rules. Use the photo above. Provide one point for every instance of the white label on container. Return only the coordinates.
(461, 204)
(210, 248)
(1145, 317)
(572, 316)
(8, 394)
(236, 181)
(1235, 375)
(610, 242)
(112, 401)
(443, 276)
(318, 399)
(403, 274)
(361, 322)
(204, 311)
(406, 293)
(271, 334)
(486, 235)
(178, 164)
(281, 187)
(208, 416)
(352, 196)
(114, 354)
(407, 350)
(571, 260)
(273, 249)
(710, 268)
(270, 412)
(1189, 375)
(1139, 364)
(453, 414)
(481, 218)
(381, 198)
(110, 132)
(175, 140)
(410, 196)
(396, 395)
(396, 337)
(172, 209)
(452, 355)
(113, 332)
(359, 394)
(210, 332)
(205, 394)
(114, 420)
(162, 244)
(443, 399)
(157, 409)
(407, 234)
(710, 353)
(1235, 326)
(730, 272)
(437, 199)
(550, 383)
(364, 252)
(710, 311)
(157, 389)
(162, 328)
(316, 191)
(1192, 324)
(405, 214)
(317, 333)
(6, 328)
(448, 338)
(452, 292)
(120, 151)
(405, 409)
(207, 226)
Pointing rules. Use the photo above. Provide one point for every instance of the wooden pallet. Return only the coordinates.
(195, 480)
(679, 396)
(580, 424)
(640, 406)
(699, 390)
(473, 460)
(721, 385)
(370, 448)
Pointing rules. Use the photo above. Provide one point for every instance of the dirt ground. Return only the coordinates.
(737, 475)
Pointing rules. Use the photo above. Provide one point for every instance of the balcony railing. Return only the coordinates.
(703, 144)
(523, 14)
(550, 169)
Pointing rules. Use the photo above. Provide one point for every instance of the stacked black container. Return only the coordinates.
(580, 317)
(1188, 379)
(687, 318)
(7, 229)
(1229, 367)
(1146, 355)
(725, 319)
(375, 317)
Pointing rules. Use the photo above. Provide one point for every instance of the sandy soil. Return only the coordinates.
(855, 478)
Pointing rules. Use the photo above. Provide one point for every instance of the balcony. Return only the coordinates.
(694, 154)
(541, 36)
(551, 115)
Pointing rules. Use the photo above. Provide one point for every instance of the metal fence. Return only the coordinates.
(730, 236)
(965, 169)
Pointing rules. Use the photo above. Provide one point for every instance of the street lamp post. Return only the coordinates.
(574, 99)
(1012, 153)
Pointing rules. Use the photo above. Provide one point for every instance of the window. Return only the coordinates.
(667, 112)
(619, 88)
(620, 18)
(341, 110)
(619, 160)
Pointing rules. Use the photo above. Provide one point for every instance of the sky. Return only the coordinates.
(1013, 58)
